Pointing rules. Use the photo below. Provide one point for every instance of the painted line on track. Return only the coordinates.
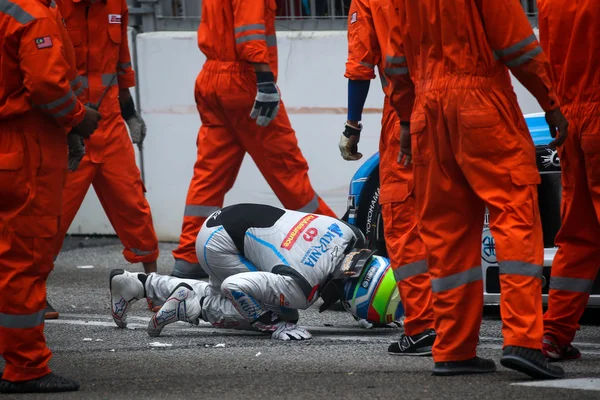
(578, 383)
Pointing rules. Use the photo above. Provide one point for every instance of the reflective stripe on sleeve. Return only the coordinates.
(516, 47)
(139, 252)
(524, 58)
(366, 64)
(109, 79)
(271, 40)
(395, 59)
(124, 65)
(249, 27)
(248, 38)
(15, 11)
(396, 71)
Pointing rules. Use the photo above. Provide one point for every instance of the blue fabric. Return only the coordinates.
(357, 95)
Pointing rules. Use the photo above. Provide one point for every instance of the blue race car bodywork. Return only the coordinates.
(365, 213)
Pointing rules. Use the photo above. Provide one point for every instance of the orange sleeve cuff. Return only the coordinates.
(126, 80)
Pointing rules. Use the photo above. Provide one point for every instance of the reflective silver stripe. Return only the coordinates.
(22, 321)
(519, 268)
(271, 40)
(76, 81)
(53, 4)
(124, 65)
(199, 211)
(70, 96)
(188, 270)
(366, 64)
(516, 47)
(524, 58)
(84, 81)
(384, 81)
(410, 270)
(395, 60)
(79, 91)
(66, 110)
(312, 206)
(257, 36)
(396, 71)
(251, 27)
(109, 79)
(456, 280)
(571, 284)
(139, 252)
(15, 11)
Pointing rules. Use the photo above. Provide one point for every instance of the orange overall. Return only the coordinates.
(99, 34)
(37, 106)
(368, 33)
(232, 35)
(471, 148)
(570, 35)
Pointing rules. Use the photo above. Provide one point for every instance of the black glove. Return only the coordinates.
(76, 150)
(266, 104)
(349, 143)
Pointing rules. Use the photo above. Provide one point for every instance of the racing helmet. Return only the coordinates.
(369, 290)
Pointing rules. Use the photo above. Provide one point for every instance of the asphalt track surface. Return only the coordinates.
(343, 361)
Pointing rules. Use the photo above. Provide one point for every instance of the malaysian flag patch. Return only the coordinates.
(353, 17)
(114, 18)
(43, 42)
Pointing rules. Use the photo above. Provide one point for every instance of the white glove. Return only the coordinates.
(349, 143)
(288, 331)
(137, 128)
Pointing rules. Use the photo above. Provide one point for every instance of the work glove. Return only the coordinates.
(557, 121)
(349, 142)
(288, 331)
(137, 128)
(405, 145)
(76, 149)
(266, 105)
(89, 123)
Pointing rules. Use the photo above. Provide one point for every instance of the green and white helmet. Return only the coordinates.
(366, 286)
(373, 295)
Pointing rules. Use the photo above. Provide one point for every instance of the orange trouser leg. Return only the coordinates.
(120, 190)
(577, 260)
(25, 248)
(472, 156)
(275, 151)
(219, 159)
(76, 187)
(404, 245)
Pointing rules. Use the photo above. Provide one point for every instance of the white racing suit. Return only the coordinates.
(261, 258)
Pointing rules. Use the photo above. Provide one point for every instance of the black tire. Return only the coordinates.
(368, 217)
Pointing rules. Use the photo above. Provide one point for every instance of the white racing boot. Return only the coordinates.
(182, 305)
(125, 289)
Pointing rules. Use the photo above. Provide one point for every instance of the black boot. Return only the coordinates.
(530, 362)
(474, 365)
(50, 383)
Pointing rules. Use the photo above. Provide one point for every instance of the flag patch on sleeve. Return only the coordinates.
(114, 18)
(43, 42)
(353, 18)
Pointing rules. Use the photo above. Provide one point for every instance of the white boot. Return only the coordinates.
(125, 289)
(182, 305)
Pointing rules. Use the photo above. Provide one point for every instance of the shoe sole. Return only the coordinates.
(528, 368)
(416, 354)
(51, 315)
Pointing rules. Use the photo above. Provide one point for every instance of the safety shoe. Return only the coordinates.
(125, 289)
(554, 352)
(50, 383)
(475, 365)
(50, 312)
(530, 362)
(415, 345)
(182, 305)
